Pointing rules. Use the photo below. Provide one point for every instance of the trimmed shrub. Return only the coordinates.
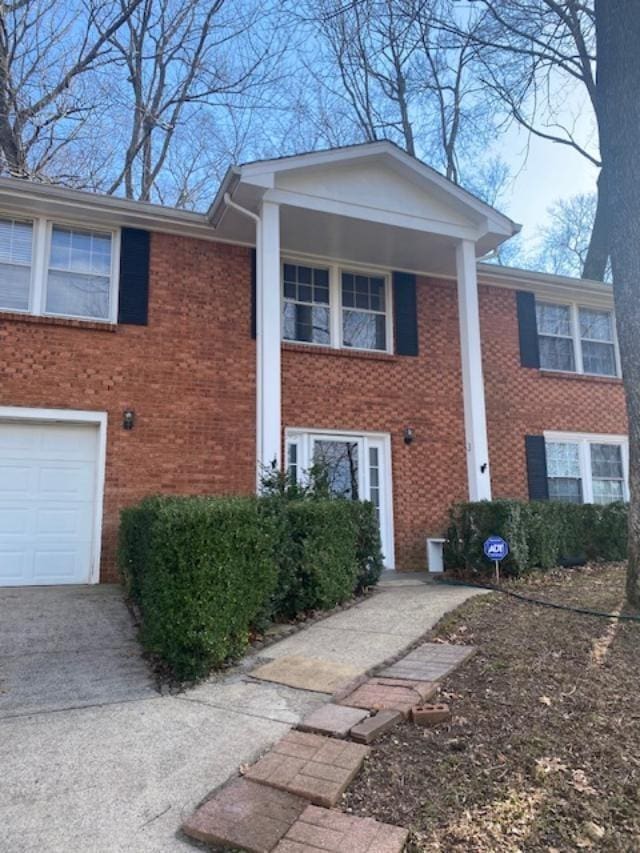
(540, 534)
(206, 570)
(318, 557)
(368, 545)
(201, 572)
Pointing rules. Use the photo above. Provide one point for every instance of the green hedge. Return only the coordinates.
(206, 570)
(201, 570)
(540, 534)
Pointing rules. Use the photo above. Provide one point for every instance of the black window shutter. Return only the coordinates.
(406, 310)
(133, 304)
(528, 329)
(537, 468)
(254, 274)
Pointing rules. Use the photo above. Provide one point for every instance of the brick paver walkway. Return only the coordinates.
(429, 662)
(244, 814)
(393, 694)
(311, 766)
(334, 832)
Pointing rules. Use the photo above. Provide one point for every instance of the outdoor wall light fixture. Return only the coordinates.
(408, 435)
(128, 419)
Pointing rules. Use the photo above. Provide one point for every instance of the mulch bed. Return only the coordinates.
(543, 751)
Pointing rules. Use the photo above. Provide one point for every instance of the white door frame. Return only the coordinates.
(18, 414)
(304, 437)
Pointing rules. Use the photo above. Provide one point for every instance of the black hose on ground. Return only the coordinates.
(585, 611)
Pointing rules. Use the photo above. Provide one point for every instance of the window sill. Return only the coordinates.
(317, 349)
(580, 377)
(44, 320)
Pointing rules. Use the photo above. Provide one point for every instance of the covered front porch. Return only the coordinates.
(370, 212)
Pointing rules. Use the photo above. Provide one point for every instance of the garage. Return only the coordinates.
(50, 499)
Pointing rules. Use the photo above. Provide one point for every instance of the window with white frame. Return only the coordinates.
(586, 469)
(305, 312)
(334, 307)
(576, 339)
(48, 268)
(363, 311)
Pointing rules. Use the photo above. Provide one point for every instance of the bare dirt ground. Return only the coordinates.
(543, 751)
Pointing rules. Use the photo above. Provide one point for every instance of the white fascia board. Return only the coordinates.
(492, 219)
(547, 285)
(370, 214)
(25, 198)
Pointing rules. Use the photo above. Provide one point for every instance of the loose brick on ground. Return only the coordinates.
(429, 662)
(311, 766)
(334, 832)
(391, 694)
(371, 728)
(430, 715)
(333, 720)
(243, 814)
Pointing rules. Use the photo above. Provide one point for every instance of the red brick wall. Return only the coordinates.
(189, 375)
(333, 389)
(522, 401)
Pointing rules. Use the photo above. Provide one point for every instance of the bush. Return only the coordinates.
(201, 570)
(540, 534)
(206, 570)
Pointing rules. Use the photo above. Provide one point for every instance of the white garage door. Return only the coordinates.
(47, 502)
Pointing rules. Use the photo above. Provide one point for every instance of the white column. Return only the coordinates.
(268, 338)
(475, 418)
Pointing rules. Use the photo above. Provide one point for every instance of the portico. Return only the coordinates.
(367, 207)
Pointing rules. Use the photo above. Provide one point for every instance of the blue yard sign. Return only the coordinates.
(495, 548)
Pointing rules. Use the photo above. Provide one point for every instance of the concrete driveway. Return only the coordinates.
(93, 758)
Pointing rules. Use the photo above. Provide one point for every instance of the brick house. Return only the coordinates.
(328, 306)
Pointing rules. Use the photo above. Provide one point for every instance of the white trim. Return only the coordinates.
(42, 228)
(268, 339)
(584, 440)
(336, 325)
(473, 388)
(574, 307)
(303, 437)
(77, 416)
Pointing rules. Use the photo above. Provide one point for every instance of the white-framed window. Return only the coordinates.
(585, 468)
(357, 467)
(51, 268)
(577, 339)
(336, 306)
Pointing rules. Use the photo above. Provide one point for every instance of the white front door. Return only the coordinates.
(357, 466)
(48, 476)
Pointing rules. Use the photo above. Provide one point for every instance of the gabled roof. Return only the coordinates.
(265, 173)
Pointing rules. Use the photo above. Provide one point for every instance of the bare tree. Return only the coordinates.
(46, 51)
(532, 54)
(183, 59)
(405, 76)
(564, 240)
(618, 83)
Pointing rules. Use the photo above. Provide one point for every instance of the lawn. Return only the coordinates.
(543, 750)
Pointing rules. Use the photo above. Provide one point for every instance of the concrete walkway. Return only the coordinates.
(94, 759)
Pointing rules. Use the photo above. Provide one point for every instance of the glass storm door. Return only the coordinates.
(356, 467)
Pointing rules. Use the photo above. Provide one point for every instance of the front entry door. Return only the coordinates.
(357, 467)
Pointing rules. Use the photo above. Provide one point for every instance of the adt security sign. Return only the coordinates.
(495, 548)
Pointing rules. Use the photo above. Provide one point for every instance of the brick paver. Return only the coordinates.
(391, 694)
(429, 662)
(333, 720)
(371, 728)
(311, 766)
(334, 832)
(243, 814)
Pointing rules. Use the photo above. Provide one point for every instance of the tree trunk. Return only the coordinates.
(595, 264)
(618, 84)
